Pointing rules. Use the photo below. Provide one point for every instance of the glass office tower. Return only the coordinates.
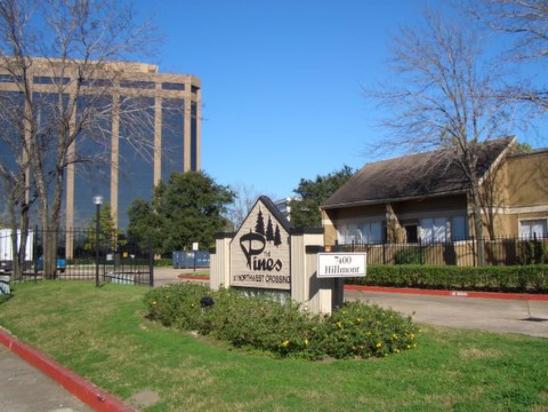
(163, 109)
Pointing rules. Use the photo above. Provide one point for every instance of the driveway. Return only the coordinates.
(26, 389)
(166, 275)
(495, 315)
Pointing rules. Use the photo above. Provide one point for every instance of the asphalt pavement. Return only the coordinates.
(494, 315)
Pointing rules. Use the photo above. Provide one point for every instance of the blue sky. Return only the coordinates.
(282, 81)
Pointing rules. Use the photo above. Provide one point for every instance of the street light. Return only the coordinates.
(98, 201)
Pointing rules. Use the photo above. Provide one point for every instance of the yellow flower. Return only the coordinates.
(154, 302)
(394, 336)
(285, 343)
(378, 345)
(397, 350)
(305, 342)
(339, 324)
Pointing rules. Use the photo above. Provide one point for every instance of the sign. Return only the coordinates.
(341, 265)
(259, 252)
(195, 246)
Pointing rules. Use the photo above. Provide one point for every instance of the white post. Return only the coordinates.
(219, 276)
(315, 294)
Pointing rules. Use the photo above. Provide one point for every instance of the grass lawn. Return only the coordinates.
(203, 273)
(101, 334)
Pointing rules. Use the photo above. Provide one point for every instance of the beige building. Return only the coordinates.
(165, 107)
(417, 198)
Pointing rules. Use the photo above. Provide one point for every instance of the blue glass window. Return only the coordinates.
(93, 154)
(8, 78)
(193, 136)
(96, 82)
(173, 86)
(136, 166)
(137, 84)
(50, 80)
(172, 137)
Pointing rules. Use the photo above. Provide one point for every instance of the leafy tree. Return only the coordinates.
(305, 211)
(269, 230)
(109, 234)
(145, 226)
(188, 208)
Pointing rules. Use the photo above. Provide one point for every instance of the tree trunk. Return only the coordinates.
(478, 225)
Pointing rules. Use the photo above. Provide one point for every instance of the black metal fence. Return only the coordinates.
(81, 255)
(501, 251)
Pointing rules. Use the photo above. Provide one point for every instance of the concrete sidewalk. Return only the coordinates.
(26, 389)
(509, 316)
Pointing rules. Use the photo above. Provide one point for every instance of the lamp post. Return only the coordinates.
(98, 200)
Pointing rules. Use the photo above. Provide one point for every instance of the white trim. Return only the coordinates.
(497, 161)
(507, 210)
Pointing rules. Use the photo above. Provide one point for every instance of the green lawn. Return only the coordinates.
(101, 334)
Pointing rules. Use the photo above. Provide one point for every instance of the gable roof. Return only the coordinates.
(273, 209)
(418, 175)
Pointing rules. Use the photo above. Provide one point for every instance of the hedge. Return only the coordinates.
(356, 330)
(526, 278)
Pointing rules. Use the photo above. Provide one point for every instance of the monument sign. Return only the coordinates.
(260, 250)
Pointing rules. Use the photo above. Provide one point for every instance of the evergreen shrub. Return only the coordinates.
(356, 330)
(524, 278)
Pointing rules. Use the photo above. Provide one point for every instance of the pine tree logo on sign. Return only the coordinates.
(260, 251)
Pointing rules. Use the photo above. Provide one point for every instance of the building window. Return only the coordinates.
(172, 137)
(193, 136)
(8, 78)
(458, 228)
(442, 229)
(194, 89)
(137, 84)
(96, 82)
(50, 80)
(434, 230)
(530, 229)
(173, 86)
(370, 232)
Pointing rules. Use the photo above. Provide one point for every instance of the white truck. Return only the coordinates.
(6, 250)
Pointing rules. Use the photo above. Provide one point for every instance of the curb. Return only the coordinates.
(452, 293)
(88, 393)
(427, 292)
(191, 277)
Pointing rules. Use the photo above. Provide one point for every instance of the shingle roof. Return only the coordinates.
(417, 175)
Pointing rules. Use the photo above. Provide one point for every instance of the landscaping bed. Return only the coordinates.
(355, 330)
(526, 278)
(101, 333)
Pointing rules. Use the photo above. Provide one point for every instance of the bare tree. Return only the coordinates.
(246, 196)
(244, 200)
(526, 24)
(443, 97)
(76, 43)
